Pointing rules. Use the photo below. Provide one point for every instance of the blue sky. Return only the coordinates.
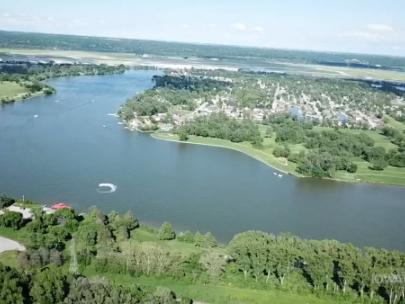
(365, 26)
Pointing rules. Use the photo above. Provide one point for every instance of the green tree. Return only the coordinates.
(163, 295)
(11, 219)
(49, 286)
(13, 286)
(166, 232)
(6, 201)
(182, 133)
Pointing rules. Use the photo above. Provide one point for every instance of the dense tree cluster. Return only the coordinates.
(329, 150)
(326, 266)
(39, 72)
(52, 284)
(189, 83)
(142, 105)
(218, 125)
(6, 201)
(11, 219)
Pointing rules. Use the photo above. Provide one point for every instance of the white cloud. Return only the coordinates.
(373, 33)
(244, 28)
(241, 27)
(185, 26)
(259, 29)
(380, 28)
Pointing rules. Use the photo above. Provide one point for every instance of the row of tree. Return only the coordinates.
(326, 266)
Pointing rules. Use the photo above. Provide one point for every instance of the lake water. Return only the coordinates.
(60, 147)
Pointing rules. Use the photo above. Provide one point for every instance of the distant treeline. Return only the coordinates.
(190, 83)
(31, 76)
(236, 54)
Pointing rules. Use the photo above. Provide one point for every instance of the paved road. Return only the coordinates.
(7, 244)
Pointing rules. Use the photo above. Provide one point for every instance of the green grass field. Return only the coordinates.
(390, 175)
(21, 235)
(9, 258)
(9, 89)
(145, 236)
(219, 293)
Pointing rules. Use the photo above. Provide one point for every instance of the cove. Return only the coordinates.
(61, 147)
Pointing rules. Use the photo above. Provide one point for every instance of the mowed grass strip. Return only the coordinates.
(10, 89)
(219, 293)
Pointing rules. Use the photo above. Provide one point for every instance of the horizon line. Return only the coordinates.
(209, 44)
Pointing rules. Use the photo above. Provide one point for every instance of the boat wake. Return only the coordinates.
(106, 188)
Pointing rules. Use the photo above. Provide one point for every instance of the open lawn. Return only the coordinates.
(21, 235)
(9, 89)
(215, 293)
(362, 73)
(394, 123)
(9, 258)
(145, 236)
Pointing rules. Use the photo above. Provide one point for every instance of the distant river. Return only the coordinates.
(61, 147)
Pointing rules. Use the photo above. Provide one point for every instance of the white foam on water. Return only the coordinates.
(106, 188)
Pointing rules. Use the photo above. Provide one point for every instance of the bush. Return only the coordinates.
(163, 295)
(6, 201)
(282, 151)
(352, 168)
(186, 236)
(378, 164)
(166, 232)
(11, 219)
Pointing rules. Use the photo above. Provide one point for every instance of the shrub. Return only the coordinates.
(166, 232)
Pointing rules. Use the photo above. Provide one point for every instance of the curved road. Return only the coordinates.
(7, 245)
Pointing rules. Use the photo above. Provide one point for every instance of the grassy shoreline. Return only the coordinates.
(13, 92)
(363, 176)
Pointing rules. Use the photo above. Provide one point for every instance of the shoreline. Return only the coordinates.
(158, 136)
(23, 99)
(167, 137)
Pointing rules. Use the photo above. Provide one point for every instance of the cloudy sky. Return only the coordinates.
(365, 26)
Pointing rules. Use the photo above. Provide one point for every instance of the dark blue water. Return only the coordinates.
(73, 145)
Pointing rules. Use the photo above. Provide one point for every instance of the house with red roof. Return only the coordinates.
(60, 205)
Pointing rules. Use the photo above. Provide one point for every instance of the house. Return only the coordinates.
(48, 210)
(60, 205)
